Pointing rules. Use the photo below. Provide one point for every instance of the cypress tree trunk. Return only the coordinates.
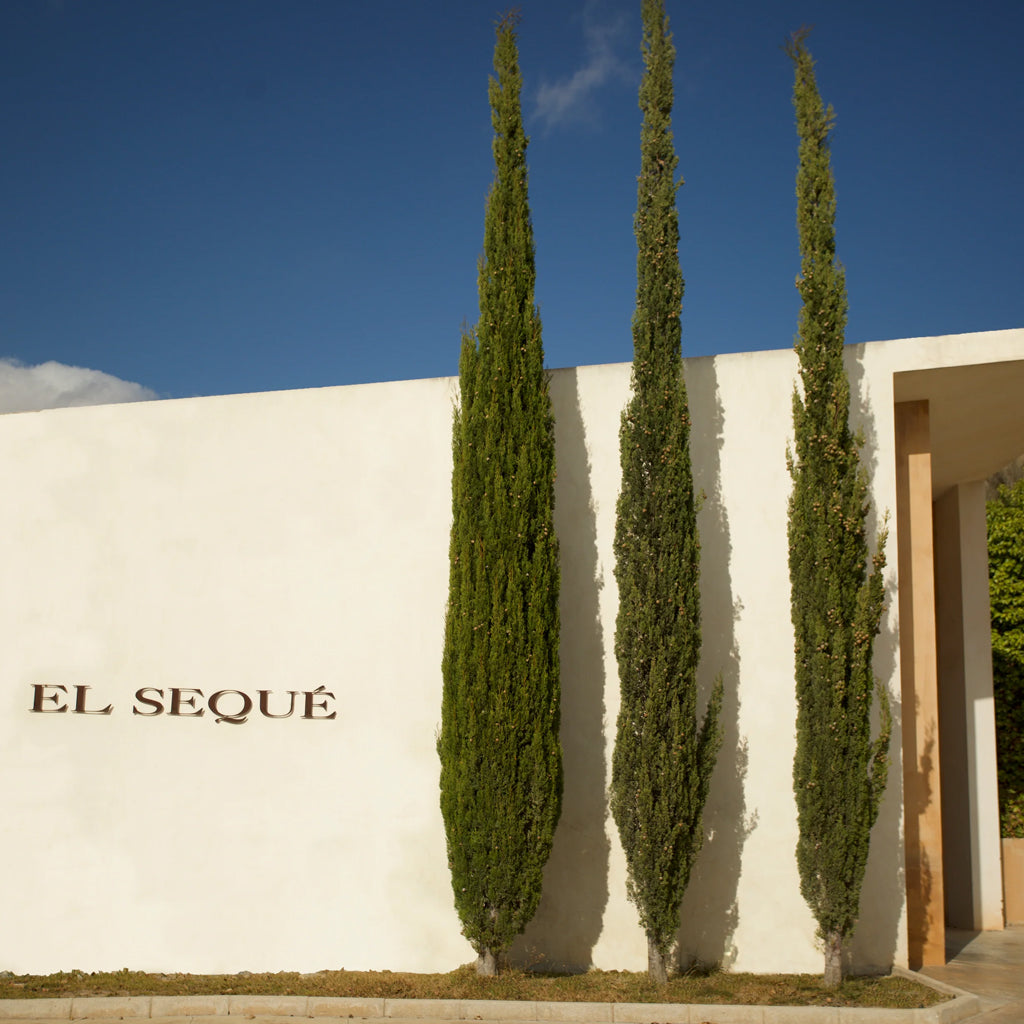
(657, 961)
(501, 768)
(839, 772)
(833, 973)
(663, 759)
(487, 963)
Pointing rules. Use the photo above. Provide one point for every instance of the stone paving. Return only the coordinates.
(991, 965)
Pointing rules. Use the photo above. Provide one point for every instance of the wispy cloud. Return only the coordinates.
(572, 98)
(55, 385)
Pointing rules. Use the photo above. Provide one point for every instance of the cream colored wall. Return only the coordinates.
(278, 541)
(290, 540)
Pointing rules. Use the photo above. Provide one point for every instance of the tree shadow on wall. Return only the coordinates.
(709, 913)
(568, 922)
(862, 421)
(874, 941)
(920, 878)
(873, 945)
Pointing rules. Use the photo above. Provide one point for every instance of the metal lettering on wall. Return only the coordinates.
(233, 706)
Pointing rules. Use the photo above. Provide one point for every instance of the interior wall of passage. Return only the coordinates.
(970, 807)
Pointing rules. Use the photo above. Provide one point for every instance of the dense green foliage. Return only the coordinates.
(839, 772)
(501, 770)
(1006, 593)
(663, 761)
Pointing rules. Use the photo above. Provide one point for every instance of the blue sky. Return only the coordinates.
(215, 196)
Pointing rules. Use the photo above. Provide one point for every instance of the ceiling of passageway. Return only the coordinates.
(976, 416)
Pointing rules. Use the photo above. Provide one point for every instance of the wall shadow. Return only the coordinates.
(709, 913)
(862, 422)
(957, 940)
(568, 922)
(919, 877)
(873, 945)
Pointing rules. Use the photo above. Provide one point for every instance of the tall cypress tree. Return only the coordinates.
(501, 767)
(837, 594)
(663, 760)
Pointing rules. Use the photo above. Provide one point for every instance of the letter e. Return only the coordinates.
(41, 696)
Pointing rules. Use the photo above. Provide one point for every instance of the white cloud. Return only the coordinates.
(570, 99)
(54, 386)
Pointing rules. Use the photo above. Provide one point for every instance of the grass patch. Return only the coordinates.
(463, 983)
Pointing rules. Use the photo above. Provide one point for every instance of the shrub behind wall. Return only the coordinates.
(1006, 594)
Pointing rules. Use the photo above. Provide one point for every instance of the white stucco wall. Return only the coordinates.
(277, 541)
(290, 540)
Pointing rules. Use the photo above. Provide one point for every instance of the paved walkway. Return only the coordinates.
(991, 965)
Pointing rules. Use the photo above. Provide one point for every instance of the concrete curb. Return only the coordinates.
(208, 1010)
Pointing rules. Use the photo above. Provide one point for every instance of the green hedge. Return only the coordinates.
(1008, 675)
(1006, 592)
